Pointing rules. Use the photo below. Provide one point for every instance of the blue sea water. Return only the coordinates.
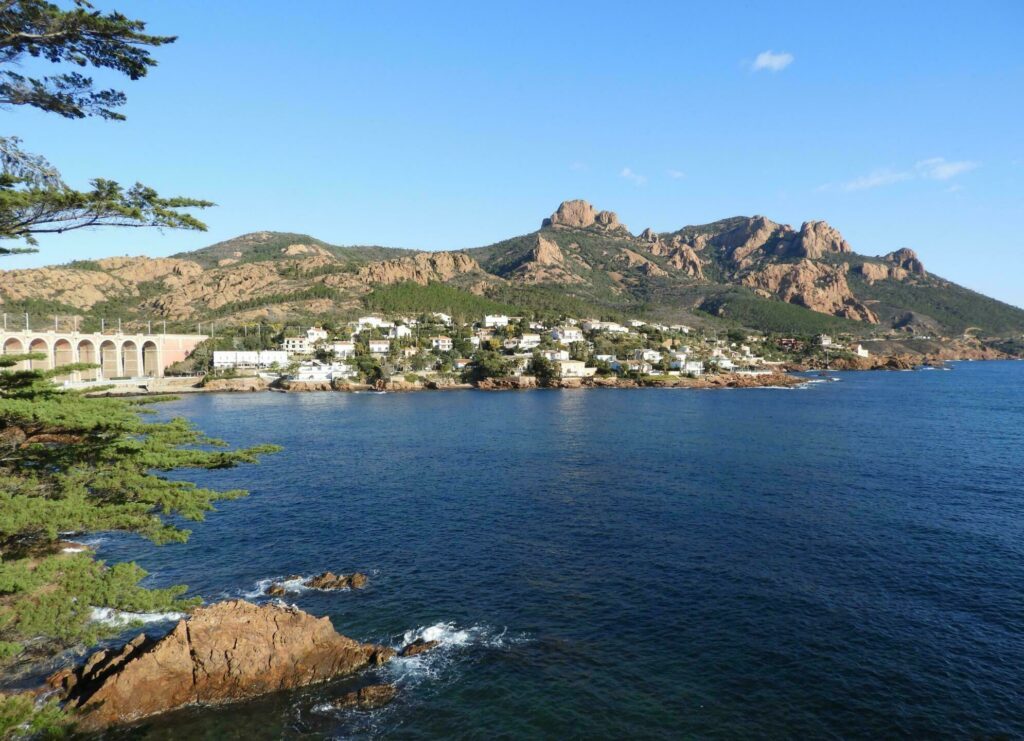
(842, 560)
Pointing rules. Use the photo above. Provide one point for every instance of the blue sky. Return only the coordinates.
(449, 125)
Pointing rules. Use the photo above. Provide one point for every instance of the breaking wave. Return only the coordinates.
(122, 619)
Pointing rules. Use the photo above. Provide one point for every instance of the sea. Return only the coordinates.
(840, 560)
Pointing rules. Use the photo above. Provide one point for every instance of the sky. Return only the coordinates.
(449, 125)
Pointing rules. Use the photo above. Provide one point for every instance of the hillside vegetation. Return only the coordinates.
(742, 271)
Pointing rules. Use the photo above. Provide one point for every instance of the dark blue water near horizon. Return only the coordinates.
(843, 560)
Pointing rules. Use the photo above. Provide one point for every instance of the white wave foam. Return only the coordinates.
(292, 585)
(73, 549)
(121, 618)
(453, 641)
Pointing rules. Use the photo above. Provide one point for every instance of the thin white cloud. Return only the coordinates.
(876, 179)
(633, 177)
(934, 168)
(675, 174)
(938, 168)
(771, 61)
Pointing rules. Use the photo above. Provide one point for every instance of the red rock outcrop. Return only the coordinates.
(814, 285)
(420, 268)
(907, 259)
(817, 238)
(225, 652)
(578, 214)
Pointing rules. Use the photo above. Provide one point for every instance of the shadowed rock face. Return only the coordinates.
(225, 652)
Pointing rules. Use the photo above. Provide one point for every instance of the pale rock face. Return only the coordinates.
(814, 285)
(649, 235)
(547, 252)
(80, 288)
(420, 268)
(817, 238)
(872, 272)
(546, 264)
(579, 214)
(748, 238)
(907, 259)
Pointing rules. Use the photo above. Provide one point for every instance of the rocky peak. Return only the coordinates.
(649, 235)
(907, 259)
(578, 214)
(817, 238)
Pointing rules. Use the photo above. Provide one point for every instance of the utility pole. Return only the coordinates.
(27, 327)
(55, 323)
(149, 327)
(119, 325)
(5, 321)
(165, 326)
(103, 325)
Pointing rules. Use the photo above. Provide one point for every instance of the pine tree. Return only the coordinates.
(74, 463)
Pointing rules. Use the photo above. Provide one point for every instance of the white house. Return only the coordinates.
(496, 320)
(567, 335)
(379, 347)
(696, 367)
(372, 321)
(555, 356)
(636, 323)
(316, 334)
(647, 355)
(314, 370)
(399, 332)
(861, 351)
(296, 344)
(573, 369)
(592, 325)
(343, 349)
(441, 343)
(443, 318)
(680, 328)
(529, 341)
(825, 341)
(249, 358)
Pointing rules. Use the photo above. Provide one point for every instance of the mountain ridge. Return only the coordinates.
(746, 270)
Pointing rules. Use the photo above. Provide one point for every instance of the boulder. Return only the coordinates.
(371, 697)
(224, 652)
(817, 238)
(419, 646)
(329, 580)
(907, 259)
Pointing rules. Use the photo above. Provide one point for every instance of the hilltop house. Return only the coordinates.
(442, 343)
(443, 318)
(496, 320)
(399, 332)
(379, 347)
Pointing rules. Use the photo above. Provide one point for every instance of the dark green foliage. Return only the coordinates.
(262, 246)
(413, 298)
(79, 37)
(487, 364)
(954, 307)
(771, 315)
(35, 200)
(77, 464)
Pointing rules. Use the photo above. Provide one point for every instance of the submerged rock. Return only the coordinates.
(228, 651)
(367, 698)
(419, 646)
(330, 580)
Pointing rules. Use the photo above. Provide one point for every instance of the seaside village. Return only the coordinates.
(435, 347)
